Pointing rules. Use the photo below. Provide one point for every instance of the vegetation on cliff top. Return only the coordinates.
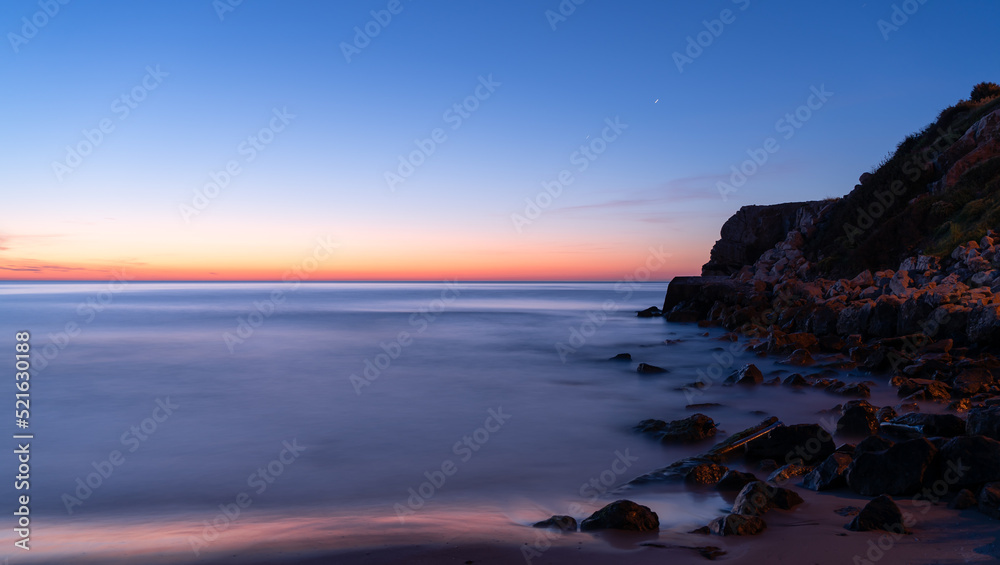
(894, 214)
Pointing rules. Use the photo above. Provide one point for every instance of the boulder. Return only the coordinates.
(788, 472)
(902, 469)
(808, 442)
(969, 461)
(830, 474)
(647, 369)
(859, 419)
(705, 474)
(651, 312)
(737, 525)
(795, 380)
(926, 389)
(694, 428)
(799, 357)
(563, 523)
(884, 316)
(622, 515)
(964, 499)
(622, 357)
(748, 374)
(735, 480)
(985, 421)
(984, 324)
(971, 382)
(989, 500)
(881, 513)
(872, 444)
(854, 318)
(933, 425)
(758, 497)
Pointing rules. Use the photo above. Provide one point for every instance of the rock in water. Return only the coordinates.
(758, 497)
(810, 442)
(692, 429)
(735, 480)
(651, 312)
(564, 523)
(964, 499)
(748, 374)
(969, 461)
(984, 421)
(933, 425)
(788, 472)
(705, 474)
(622, 357)
(879, 514)
(860, 419)
(872, 444)
(989, 500)
(737, 525)
(622, 515)
(647, 369)
(830, 474)
(902, 469)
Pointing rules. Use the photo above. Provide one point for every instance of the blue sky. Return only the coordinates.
(221, 80)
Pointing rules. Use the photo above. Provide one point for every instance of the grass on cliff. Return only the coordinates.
(865, 231)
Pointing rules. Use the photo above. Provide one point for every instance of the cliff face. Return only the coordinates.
(752, 231)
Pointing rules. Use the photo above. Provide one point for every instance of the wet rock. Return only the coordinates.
(933, 425)
(830, 474)
(970, 461)
(758, 497)
(780, 342)
(928, 389)
(873, 444)
(884, 316)
(885, 414)
(788, 472)
(902, 469)
(984, 324)
(989, 500)
(748, 374)
(705, 474)
(860, 419)
(808, 442)
(964, 499)
(737, 525)
(795, 380)
(971, 382)
(647, 369)
(563, 523)
(799, 357)
(984, 421)
(694, 428)
(622, 357)
(854, 318)
(651, 312)
(856, 389)
(735, 480)
(879, 514)
(622, 515)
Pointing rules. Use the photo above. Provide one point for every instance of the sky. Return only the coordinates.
(476, 140)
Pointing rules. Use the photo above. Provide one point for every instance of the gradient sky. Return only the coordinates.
(323, 175)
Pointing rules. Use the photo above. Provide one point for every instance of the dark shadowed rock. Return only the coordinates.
(858, 390)
(933, 425)
(984, 421)
(705, 474)
(989, 500)
(926, 389)
(758, 497)
(970, 461)
(971, 382)
(964, 499)
(651, 312)
(795, 380)
(873, 444)
(622, 357)
(647, 369)
(695, 428)
(886, 413)
(622, 515)
(902, 469)
(879, 514)
(564, 523)
(737, 525)
(735, 480)
(860, 419)
(748, 374)
(808, 442)
(830, 474)
(788, 472)
(799, 357)
(751, 231)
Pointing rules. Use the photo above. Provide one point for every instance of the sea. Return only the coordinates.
(178, 420)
